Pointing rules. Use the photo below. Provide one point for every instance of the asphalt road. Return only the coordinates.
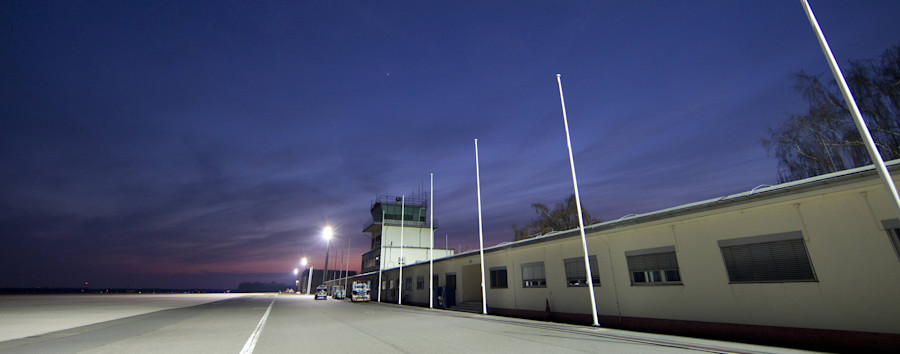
(294, 323)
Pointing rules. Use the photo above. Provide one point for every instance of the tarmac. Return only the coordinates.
(272, 323)
(31, 315)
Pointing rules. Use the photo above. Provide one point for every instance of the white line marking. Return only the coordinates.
(251, 342)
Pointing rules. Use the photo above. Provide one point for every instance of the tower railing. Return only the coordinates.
(396, 222)
(409, 201)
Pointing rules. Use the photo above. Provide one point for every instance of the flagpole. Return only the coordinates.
(431, 250)
(400, 261)
(480, 232)
(854, 111)
(309, 280)
(587, 261)
(347, 269)
(381, 253)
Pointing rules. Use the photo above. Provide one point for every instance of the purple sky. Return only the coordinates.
(191, 144)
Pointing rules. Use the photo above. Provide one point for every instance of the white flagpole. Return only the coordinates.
(854, 111)
(480, 232)
(587, 261)
(347, 269)
(381, 253)
(400, 261)
(309, 281)
(431, 250)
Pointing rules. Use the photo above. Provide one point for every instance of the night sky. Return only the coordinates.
(192, 144)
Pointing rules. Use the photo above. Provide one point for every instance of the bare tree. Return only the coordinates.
(564, 216)
(824, 139)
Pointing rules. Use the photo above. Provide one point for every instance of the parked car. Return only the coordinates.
(321, 292)
(360, 292)
(337, 292)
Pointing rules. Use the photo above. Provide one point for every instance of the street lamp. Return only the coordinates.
(327, 233)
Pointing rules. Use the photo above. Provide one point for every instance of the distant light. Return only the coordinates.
(296, 271)
(303, 262)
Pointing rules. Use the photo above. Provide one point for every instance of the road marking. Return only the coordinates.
(251, 342)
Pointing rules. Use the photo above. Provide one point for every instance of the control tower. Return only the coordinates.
(385, 230)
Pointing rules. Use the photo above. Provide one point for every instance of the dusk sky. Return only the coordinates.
(191, 144)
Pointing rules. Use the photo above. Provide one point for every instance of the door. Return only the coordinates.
(471, 283)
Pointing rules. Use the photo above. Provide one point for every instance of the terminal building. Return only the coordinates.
(814, 263)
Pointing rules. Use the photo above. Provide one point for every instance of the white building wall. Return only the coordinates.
(856, 265)
(850, 252)
(412, 236)
(416, 243)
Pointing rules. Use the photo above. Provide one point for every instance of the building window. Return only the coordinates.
(408, 283)
(893, 230)
(392, 283)
(420, 282)
(498, 278)
(653, 266)
(768, 258)
(533, 275)
(576, 274)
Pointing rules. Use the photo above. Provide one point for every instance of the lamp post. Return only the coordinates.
(327, 233)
